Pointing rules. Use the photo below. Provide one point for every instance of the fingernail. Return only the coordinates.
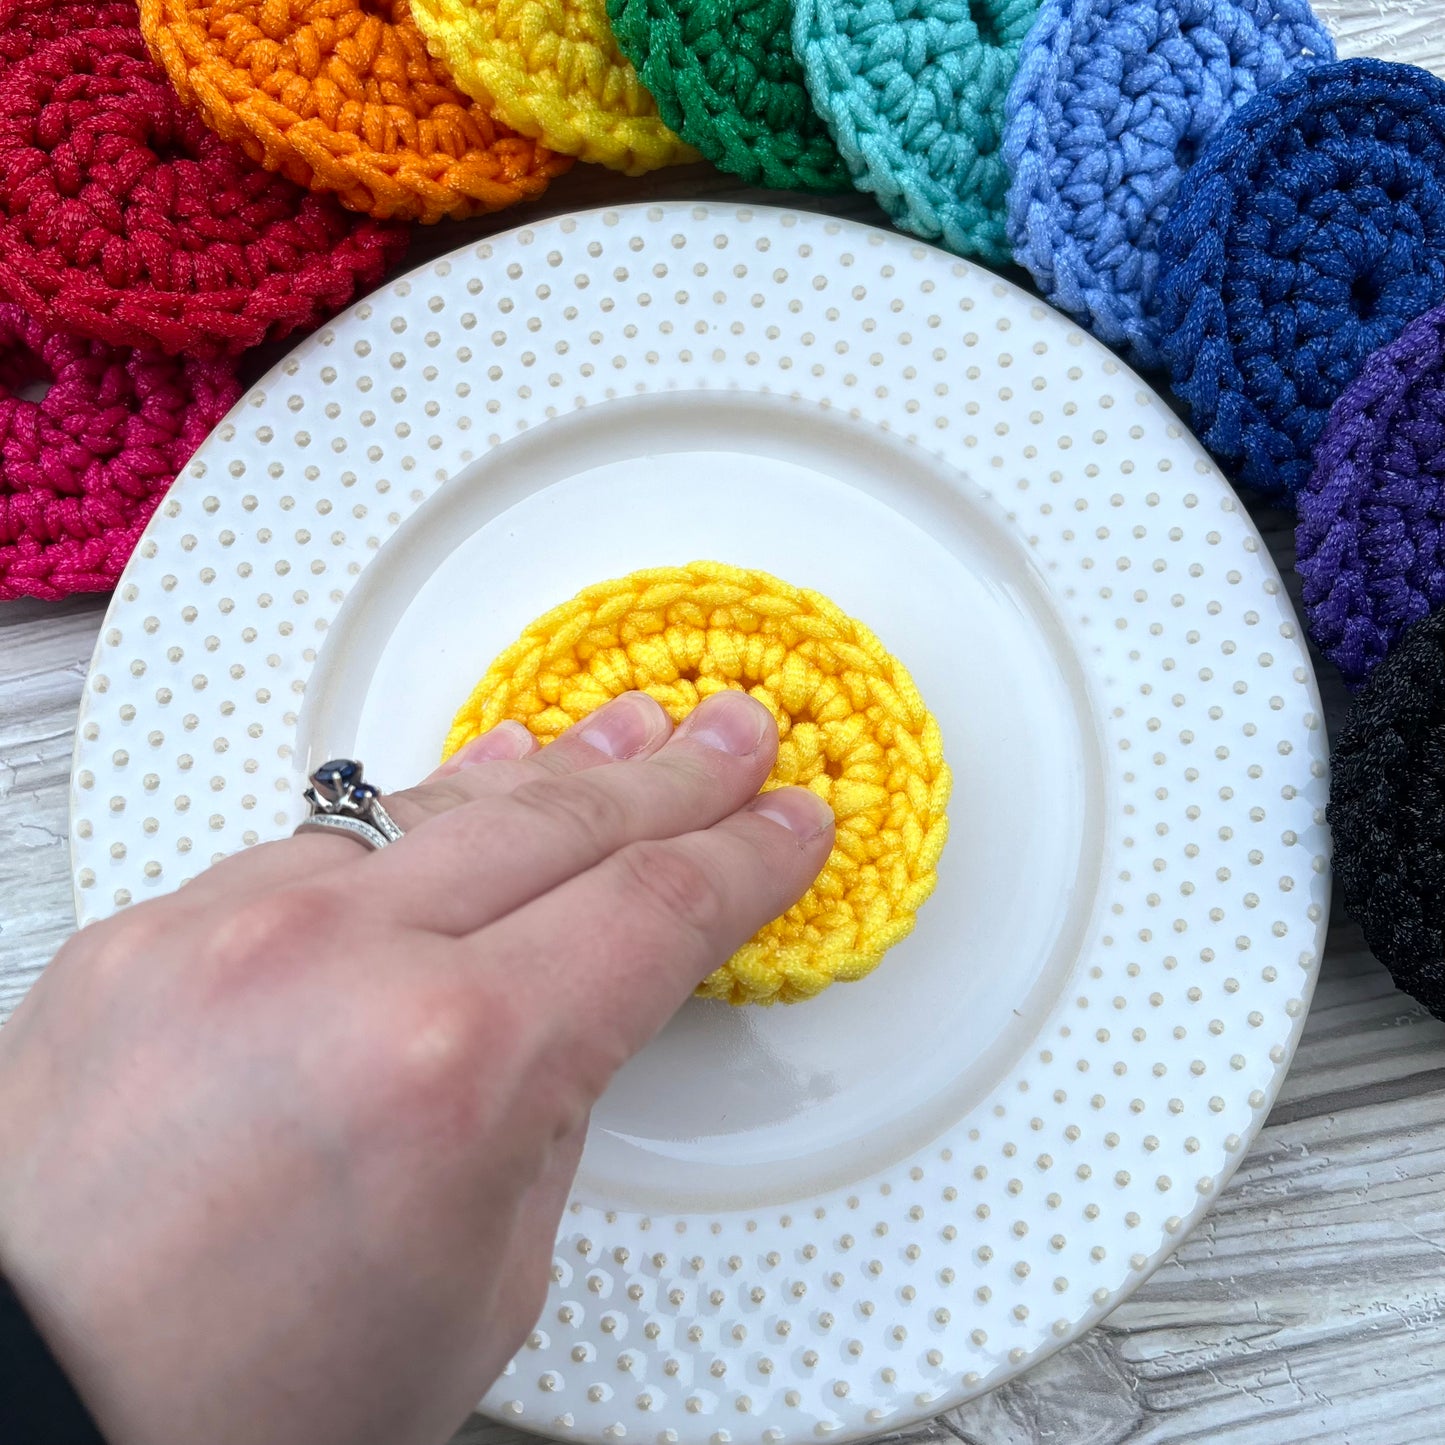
(802, 813)
(731, 722)
(507, 742)
(623, 727)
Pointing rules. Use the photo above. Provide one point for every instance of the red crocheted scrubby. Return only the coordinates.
(25, 23)
(124, 218)
(83, 465)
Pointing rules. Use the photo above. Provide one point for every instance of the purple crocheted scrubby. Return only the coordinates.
(1371, 539)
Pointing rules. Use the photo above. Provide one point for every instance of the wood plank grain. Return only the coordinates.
(44, 651)
(1408, 31)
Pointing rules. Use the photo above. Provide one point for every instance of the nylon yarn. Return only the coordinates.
(1387, 812)
(24, 24)
(1371, 538)
(122, 217)
(852, 727)
(552, 69)
(342, 96)
(1307, 235)
(913, 92)
(1111, 102)
(725, 79)
(84, 462)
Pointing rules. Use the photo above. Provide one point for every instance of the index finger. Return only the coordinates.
(493, 763)
(602, 962)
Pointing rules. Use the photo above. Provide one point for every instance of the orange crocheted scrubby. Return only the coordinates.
(342, 95)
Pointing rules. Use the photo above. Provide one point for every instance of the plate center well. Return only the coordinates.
(734, 1108)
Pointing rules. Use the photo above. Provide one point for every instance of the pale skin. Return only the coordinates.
(285, 1152)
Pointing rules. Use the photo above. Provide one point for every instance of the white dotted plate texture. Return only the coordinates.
(835, 1218)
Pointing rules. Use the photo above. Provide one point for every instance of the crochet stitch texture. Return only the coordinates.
(725, 79)
(123, 218)
(341, 95)
(852, 726)
(25, 23)
(83, 465)
(1112, 100)
(1371, 538)
(551, 69)
(1308, 234)
(1387, 812)
(913, 92)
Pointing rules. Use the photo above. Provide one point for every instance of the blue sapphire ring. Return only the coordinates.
(342, 801)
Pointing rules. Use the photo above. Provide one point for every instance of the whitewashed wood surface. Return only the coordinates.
(1310, 1305)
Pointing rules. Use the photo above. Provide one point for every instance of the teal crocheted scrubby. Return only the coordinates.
(725, 79)
(913, 91)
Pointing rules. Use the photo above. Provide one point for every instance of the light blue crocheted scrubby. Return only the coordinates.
(913, 91)
(1111, 102)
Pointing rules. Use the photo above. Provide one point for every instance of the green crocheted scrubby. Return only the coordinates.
(725, 79)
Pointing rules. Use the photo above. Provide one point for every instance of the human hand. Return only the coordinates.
(285, 1152)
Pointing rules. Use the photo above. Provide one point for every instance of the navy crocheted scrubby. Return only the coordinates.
(1307, 235)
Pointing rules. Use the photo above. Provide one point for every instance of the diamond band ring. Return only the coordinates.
(342, 801)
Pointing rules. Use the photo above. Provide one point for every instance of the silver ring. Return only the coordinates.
(342, 801)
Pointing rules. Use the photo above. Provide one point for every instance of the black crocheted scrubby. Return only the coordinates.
(1387, 812)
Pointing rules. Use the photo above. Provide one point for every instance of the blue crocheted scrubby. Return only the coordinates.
(913, 92)
(1307, 234)
(1112, 100)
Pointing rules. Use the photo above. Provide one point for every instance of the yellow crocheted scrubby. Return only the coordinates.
(852, 727)
(342, 95)
(551, 69)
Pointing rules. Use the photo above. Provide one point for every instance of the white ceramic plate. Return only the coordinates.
(837, 1217)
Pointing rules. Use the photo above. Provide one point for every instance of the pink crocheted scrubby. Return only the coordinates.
(90, 438)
